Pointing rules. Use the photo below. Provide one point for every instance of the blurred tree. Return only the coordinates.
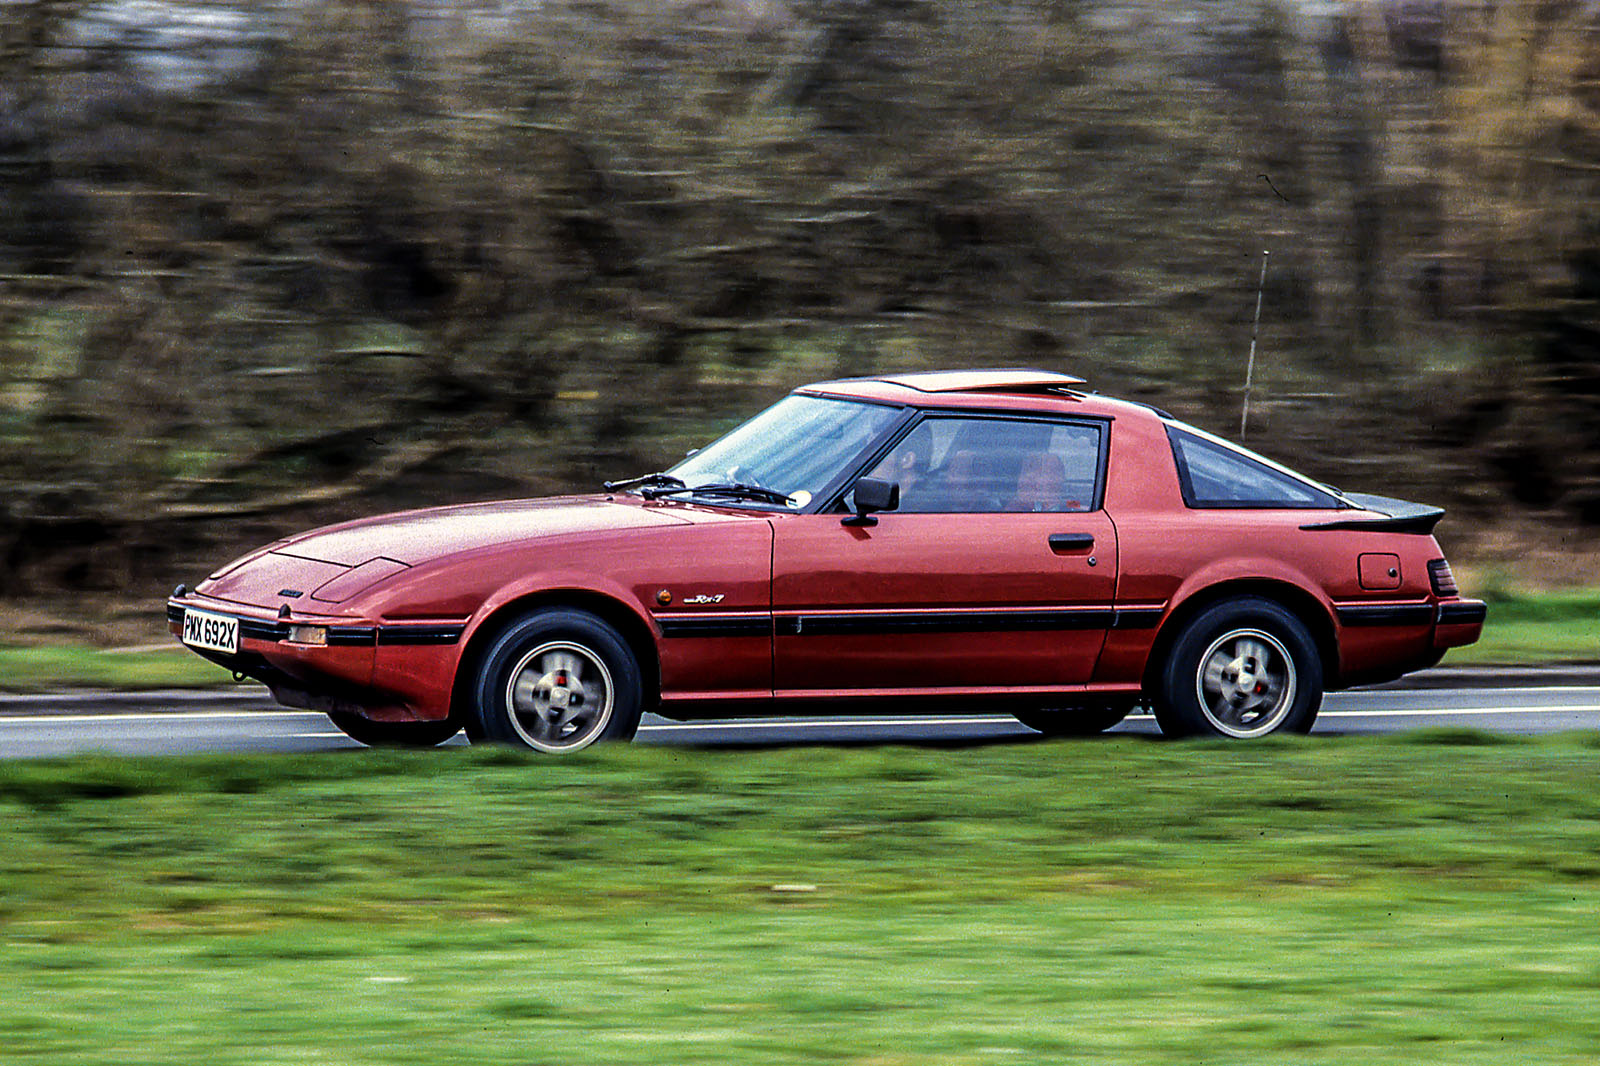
(300, 259)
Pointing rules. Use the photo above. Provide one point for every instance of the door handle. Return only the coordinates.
(1071, 542)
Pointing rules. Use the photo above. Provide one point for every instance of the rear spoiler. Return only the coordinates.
(1388, 515)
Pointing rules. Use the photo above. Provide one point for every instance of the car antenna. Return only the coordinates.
(1250, 367)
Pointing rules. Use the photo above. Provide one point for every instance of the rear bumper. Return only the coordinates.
(1454, 622)
(1459, 622)
(1382, 641)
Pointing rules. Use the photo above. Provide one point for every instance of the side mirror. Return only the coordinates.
(873, 495)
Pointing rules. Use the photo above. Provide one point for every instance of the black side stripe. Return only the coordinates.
(395, 634)
(1138, 617)
(1452, 614)
(749, 625)
(818, 625)
(887, 622)
(420, 634)
(262, 630)
(1386, 614)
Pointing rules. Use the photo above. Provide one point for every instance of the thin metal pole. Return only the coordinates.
(1250, 368)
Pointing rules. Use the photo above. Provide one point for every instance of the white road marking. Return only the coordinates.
(795, 723)
(1006, 720)
(1450, 712)
(158, 716)
(1520, 688)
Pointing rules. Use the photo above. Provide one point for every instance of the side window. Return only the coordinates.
(1217, 476)
(992, 465)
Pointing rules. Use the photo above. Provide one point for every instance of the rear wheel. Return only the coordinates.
(394, 734)
(1084, 721)
(557, 681)
(1242, 668)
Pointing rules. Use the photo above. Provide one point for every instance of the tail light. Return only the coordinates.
(1443, 581)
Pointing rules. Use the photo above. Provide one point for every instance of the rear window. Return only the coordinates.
(1216, 474)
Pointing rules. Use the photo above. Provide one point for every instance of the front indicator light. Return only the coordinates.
(308, 635)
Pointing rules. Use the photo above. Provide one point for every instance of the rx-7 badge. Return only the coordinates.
(703, 599)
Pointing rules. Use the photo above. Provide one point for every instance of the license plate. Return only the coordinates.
(213, 632)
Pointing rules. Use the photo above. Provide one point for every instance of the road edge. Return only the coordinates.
(251, 697)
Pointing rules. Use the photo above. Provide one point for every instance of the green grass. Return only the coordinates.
(1431, 898)
(37, 669)
(1536, 627)
(1544, 608)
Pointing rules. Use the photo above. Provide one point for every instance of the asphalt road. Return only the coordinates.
(176, 724)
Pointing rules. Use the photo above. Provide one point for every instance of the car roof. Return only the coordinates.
(1008, 388)
(1005, 380)
(983, 380)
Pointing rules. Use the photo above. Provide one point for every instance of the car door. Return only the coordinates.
(996, 572)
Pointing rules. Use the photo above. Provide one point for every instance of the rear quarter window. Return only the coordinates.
(1216, 475)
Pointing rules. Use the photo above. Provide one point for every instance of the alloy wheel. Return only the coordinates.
(560, 696)
(1246, 682)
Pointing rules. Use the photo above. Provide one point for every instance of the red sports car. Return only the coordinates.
(990, 539)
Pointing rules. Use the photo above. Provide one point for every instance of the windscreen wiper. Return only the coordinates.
(723, 488)
(665, 480)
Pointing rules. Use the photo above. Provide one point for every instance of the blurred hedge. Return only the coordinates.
(275, 263)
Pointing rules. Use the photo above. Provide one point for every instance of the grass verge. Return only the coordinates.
(1430, 898)
(1536, 627)
(48, 667)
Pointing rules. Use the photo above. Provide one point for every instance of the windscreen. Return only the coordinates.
(797, 446)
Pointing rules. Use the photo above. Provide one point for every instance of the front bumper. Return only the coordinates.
(387, 671)
(340, 632)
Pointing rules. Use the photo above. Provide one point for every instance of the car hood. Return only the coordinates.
(413, 537)
(326, 567)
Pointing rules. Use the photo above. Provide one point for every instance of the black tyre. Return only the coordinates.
(1085, 721)
(394, 734)
(1242, 668)
(557, 681)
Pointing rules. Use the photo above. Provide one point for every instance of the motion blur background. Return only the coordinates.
(276, 262)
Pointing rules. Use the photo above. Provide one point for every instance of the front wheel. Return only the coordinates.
(394, 734)
(1241, 668)
(556, 681)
